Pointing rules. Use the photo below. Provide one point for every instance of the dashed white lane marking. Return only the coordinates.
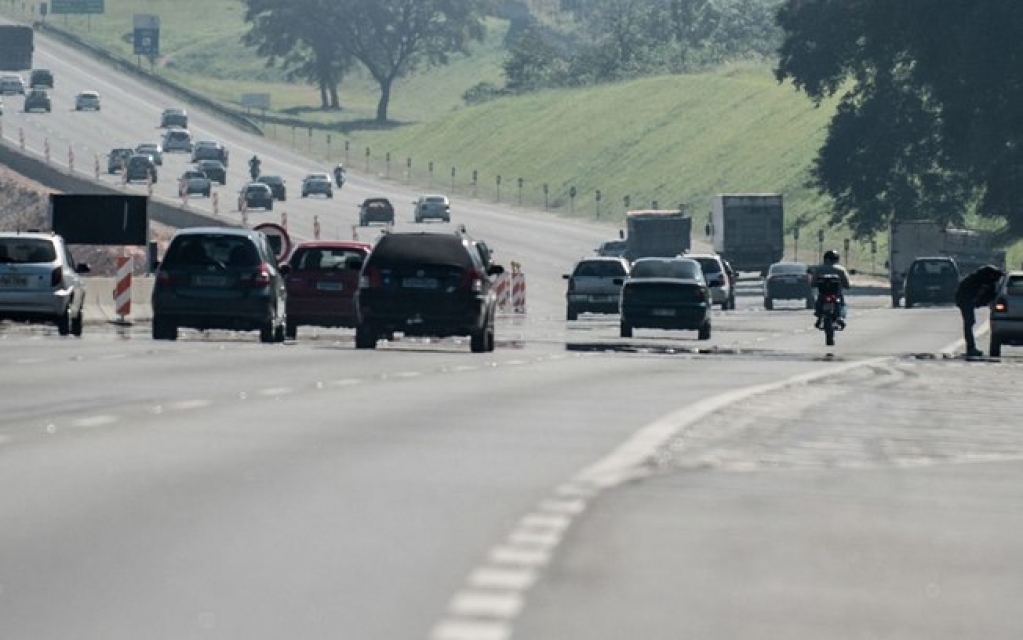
(502, 578)
(482, 604)
(275, 391)
(517, 557)
(344, 382)
(495, 592)
(188, 405)
(28, 361)
(471, 630)
(405, 375)
(463, 368)
(94, 421)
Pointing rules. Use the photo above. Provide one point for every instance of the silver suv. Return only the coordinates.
(722, 291)
(594, 286)
(1007, 314)
(40, 282)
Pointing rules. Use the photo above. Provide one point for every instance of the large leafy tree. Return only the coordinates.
(930, 116)
(301, 35)
(391, 38)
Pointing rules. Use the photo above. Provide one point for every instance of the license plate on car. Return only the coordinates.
(663, 312)
(13, 281)
(329, 286)
(828, 306)
(419, 283)
(210, 281)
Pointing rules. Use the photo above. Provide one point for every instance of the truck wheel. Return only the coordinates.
(768, 304)
(895, 301)
(995, 347)
(571, 314)
(909, 302)
(625, 330)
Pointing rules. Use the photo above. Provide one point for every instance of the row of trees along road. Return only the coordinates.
(320, 40)
(930, 116)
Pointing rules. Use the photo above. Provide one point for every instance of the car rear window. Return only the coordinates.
(599, 269)
(226, 250)
(1014, 286)
(688, 269)
(435, 200)
(709, 265)
(435, 249)
(327, 259)
(26, 250)
(788, 269)
(934, 268)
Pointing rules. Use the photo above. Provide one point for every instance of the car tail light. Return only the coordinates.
(57, 277)
(261, 279)
(472, 280)
(702, 294)
(370, 278)
(164, 279)
(1001, 306)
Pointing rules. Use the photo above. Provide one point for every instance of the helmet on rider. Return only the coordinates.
(830, 257)
(254, 159)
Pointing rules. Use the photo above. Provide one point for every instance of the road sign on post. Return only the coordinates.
(278, 238)
(65, 7)
(146, 35)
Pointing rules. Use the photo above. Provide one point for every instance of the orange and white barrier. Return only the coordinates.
(510, 288)
(149, 182)
(122, 287)
(70, 159)
(95, 167)
(21, 138)
(46, 149)
(216, 205)
(316, 227)
(284, 219)
(518, 292)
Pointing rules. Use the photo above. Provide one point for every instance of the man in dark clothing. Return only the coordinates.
(976, 290)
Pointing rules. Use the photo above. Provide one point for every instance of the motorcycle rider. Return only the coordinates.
(974, 291)
(254, 164)
(339, 175)
(830, 266)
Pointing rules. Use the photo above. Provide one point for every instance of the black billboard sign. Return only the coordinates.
(101, 219)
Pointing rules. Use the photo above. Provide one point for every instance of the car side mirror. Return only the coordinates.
(285, 269)
(619, 281)
(853, 272)
(565, 276)
(354, 265)
(495, 270)
(82, 268)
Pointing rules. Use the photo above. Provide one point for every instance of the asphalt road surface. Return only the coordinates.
(570, 485)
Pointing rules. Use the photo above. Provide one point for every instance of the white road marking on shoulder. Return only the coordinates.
(275, 391)
(518, 557)
(343, 382)
(186, 405)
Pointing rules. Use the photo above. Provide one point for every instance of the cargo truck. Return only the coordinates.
(16, 47)
(657, 233)
(747, 229)
(912, 239)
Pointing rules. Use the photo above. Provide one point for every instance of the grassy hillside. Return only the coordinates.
(672, 140)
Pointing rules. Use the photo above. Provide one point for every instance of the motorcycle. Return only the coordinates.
(339, 177)
(254, 167)
(829, 289)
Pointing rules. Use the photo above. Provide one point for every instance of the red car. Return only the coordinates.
(321, 282)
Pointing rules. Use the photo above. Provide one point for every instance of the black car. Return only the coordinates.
(666, 293)
(426, 284)
(214, 170)
(256, 195)
(219, 278)
(276, 184)
(139, 168)
(788, 281)
(37, 100)
(376, 210)
(209, 150)
(118, 158)
(931, 280)
(174, 118)
(41, 78)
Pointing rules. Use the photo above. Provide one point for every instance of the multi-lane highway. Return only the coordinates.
(570, 485)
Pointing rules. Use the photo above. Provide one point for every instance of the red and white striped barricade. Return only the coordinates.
(122, 287)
